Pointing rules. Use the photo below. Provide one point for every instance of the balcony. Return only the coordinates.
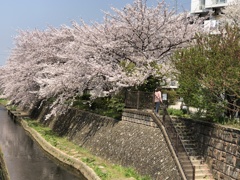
(215, 3)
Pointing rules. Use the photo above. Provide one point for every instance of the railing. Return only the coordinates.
(144, 100)
(139, 100)
(219, 1)
(183, 157)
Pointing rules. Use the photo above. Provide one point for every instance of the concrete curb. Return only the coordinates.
(85, 170)
(63, 157)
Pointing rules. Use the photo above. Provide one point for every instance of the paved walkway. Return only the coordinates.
(177, 105)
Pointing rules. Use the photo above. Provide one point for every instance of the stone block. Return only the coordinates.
(234, 173)
(216, 154)
(221, 166)
(226, 170)
(227, 136)
(212, 141)
(229, 159)
(213, 162)
(239, 140)
(234, 149)
(222, 157)
(234, 140)
(215, 173)
(237, 163)
(210, 151)
(221, 176)
(214, 133)
(218, 144)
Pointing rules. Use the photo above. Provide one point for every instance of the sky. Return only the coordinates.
(39, 14)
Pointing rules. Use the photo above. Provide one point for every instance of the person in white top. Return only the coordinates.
(157, 99)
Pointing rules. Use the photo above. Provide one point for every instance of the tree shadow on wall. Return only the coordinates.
(87, 123)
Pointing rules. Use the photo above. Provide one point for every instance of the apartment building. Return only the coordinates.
(202, 7)
(210, 8)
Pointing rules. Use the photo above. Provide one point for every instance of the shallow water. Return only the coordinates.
(24, 158)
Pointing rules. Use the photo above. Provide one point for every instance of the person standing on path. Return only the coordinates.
(157, 99)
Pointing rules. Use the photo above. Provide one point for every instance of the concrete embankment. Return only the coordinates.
(78, 165)
(139, 146)
(129, 144)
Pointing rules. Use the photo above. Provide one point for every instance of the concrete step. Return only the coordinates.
(190, 145)
(202, 170)
(186, 135)
(188, 141)
(202, 177)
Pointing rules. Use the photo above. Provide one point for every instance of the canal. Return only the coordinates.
(24, 159)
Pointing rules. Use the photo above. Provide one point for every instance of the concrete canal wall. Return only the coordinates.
(139, 145)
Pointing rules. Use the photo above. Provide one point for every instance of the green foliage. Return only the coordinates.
(175, 112)
(110, 106)
(12, 107)
(127, 66)
(172, 95)
(51, 100)
(150, 84)
(130, 172)
(3, 101)
(100, 170)
(82, 102)
(209, 72)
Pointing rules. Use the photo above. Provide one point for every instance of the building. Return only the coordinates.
(202, 7)
(210, 8)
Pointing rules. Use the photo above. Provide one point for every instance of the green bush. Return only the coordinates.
(111, 106)
(172, 95)
(175, 112)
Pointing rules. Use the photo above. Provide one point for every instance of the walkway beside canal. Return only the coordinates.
(24, 159)
(83, 169)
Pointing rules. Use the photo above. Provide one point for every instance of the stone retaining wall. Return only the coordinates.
(122, 142)
(139, 118)
(220, 147)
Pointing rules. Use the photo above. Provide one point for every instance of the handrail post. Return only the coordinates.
(164, 117)
(138, 99)
(126, 96)
(193, 172)
(153, 101)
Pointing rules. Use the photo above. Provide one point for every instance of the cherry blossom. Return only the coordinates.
(130, 45)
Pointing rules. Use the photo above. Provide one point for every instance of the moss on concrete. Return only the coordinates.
(3, 170)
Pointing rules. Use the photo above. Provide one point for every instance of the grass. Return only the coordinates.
(3, 101)
(104, 169)
(233, 123)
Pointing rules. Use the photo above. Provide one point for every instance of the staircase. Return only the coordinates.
(202, 171)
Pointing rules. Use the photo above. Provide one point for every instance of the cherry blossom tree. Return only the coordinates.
(128, 47)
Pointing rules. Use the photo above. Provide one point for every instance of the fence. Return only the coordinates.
(139, 100)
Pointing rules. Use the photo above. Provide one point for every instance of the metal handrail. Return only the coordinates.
(145, 100)
(176, 142)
